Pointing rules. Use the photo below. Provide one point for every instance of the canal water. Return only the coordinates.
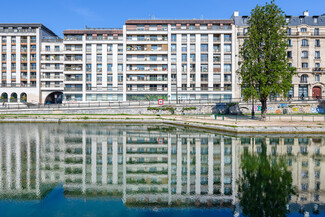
(157, 170)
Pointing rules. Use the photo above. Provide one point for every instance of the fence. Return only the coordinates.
(145, 103)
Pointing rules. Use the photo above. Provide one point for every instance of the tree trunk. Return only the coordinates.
(263, 110)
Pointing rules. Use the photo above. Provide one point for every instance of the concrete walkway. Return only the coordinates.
(229, 124)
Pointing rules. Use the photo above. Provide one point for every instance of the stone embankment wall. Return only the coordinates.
(286, 108)
(273, 107)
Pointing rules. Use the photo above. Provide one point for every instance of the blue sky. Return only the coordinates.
(59, 15)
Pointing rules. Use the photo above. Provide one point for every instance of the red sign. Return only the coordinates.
(160, 141)
(160, 101)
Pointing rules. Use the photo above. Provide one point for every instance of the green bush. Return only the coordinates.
(188, 108)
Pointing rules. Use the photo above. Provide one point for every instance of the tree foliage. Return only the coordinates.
(264, 68)
(265, 185)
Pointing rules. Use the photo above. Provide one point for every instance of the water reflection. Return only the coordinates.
(265, 184)
(157, 165)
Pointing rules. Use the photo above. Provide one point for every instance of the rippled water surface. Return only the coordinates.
(157, 170)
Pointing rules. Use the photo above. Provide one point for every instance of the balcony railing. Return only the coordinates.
(320, 69)
(73, 88)
(17, 30)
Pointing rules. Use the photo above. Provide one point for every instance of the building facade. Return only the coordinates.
(20, 61)
(306, 38)
(147, 60)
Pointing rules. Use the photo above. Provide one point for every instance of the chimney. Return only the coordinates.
(235, 14)
(306, 13)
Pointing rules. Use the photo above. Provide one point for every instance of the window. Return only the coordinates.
(120, 68)
(173, 38)
(192, 48)
(303, 30)
(99, 48)
(316, 31)
(184, 38)
(303, 92)
(184, 57)
(120, 78)
(289, 54)
(227, 48)
(315, 20)
(204, 68)
(317, 55)
(204, 58)
(317, 43)
(304, 54)
(227, 68)
(192, 57)
(304, 43)
(317, 77)
(204, 38)
(301, 20)
(227, 37)
(47, 48)
(289, 43)
(203, 26)
(109, 67)
(184, 48)
(204, 48)
(57, 48)
(303, 79)
(99, 68)
(173, 47)
(289, 31)
(304, 65)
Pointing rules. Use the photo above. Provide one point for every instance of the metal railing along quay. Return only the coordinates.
(152, 103)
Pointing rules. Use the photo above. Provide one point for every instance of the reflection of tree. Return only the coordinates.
(265, 185)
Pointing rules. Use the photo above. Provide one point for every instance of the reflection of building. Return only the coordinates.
(145, 166)
(305, 159)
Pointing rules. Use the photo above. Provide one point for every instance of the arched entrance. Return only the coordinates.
(4, 97)
(317, 92)
(13, 97)
(23, 97)
(54, 98)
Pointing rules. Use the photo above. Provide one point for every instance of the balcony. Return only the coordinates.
(320, 69)
(73, 78)
(17, 30)
(73, 88)
(73, 69)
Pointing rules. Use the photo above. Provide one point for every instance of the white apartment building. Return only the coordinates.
(146, 60)
(180, 59)
(20, 61)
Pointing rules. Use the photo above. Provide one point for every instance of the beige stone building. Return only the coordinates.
(306, 38)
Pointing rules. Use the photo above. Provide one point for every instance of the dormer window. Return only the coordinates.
(301, 20)
(244, 20)
(288, 19)
(315, 20)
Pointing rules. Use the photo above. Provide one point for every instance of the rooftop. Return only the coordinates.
(180, 21)
(27, 25)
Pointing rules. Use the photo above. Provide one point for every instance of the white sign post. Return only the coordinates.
(160, 103)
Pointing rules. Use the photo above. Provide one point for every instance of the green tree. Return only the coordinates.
(264, 68)
(265, 185)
